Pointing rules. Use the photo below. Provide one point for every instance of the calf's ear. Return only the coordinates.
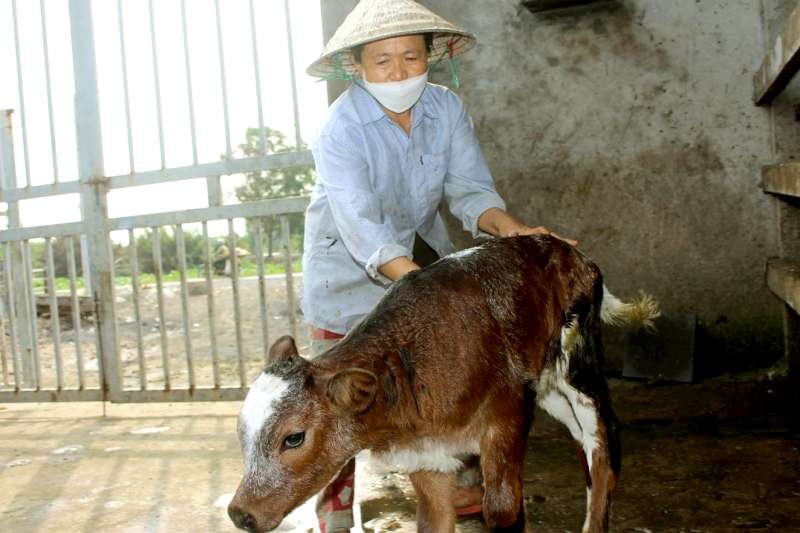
(352, 390)
(283, 348)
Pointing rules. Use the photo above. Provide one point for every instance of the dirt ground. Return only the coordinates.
(717, 456)
(150, 319)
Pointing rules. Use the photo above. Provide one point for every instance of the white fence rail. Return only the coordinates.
(96, 326)
(167, 334)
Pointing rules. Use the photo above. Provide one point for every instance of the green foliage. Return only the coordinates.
(273, 183)
(193, 243)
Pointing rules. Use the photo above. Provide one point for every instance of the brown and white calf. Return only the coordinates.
(450, 362)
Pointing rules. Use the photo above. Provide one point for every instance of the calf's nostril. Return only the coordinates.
(242, 519)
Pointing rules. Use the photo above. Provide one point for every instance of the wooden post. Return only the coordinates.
(780, 64)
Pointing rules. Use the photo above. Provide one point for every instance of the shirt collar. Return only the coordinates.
(369, 110)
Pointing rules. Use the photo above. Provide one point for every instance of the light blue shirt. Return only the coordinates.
(376, 187)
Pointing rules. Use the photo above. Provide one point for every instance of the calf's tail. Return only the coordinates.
(639, 313)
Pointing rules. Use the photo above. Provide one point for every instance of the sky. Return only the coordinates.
(273, 59)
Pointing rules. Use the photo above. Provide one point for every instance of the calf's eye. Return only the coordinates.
(294, 440)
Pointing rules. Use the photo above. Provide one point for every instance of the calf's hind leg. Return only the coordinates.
(595, 433)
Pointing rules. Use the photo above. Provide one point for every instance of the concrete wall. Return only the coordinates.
(633, 130)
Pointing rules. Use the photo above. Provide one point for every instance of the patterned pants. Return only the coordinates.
(335, 503)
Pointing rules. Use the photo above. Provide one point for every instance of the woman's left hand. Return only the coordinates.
(500, 224)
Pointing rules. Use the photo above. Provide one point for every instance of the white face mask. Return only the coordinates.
(397, 96)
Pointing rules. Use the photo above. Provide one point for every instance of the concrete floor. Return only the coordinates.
(134, 468)
(720, 456)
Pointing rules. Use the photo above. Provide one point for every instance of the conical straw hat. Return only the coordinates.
(372, 20)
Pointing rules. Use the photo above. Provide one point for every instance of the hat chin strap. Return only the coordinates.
(397, 96)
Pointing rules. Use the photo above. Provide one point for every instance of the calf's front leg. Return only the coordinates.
(435, 512)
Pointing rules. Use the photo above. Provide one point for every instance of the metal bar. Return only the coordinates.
(220, 48)
(214, 191)
(292, 76)
(20, 88)
(188, 80)
(275, 206)
(218, 168)
(287, 254)
(94, 201)
(261, 132)
(49, 91)
(52, 395)
(76, 311)
(180, 244)
(3, 351)
(262, 287)
(31, 301)
(12, 321)
(212, 332)
(19, 275)
(55, 326)
(227, 394)
(14, 194)
(36, 232)
(86, 270)
(237, 313)
(137, 179)
(133, 261)
(8, 170)
(126, 396)
(15, 268)
(162, 327)
(154, 49)
(124, 66)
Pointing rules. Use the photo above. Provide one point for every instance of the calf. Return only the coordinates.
(450, 362)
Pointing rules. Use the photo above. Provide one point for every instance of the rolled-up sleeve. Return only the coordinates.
(357, 211)
(468, 185)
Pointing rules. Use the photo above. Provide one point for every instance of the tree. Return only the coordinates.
(193, 242)
(274, 183)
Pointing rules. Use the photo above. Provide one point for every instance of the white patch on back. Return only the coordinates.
(461, 254)
(426, 454)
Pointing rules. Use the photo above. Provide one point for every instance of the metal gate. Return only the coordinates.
(97, 339)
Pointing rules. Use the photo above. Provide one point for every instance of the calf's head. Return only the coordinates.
(297, 428)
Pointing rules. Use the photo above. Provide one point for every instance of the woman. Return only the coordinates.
(393, 147)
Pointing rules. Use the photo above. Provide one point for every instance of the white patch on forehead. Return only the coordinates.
(265, 394)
